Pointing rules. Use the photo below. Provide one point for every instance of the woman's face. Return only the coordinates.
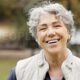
(52, 34)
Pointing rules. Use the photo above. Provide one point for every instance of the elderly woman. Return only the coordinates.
(51, 25)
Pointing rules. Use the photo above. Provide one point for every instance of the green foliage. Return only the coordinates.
(5, 67)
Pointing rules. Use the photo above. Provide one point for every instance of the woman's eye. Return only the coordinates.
(57, 26)
(43, 28)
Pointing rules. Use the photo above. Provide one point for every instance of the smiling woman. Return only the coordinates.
(51, 25)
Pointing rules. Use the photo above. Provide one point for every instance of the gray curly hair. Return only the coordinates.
(34, 16)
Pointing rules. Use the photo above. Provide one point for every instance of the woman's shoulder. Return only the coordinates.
(27, 61)
(76, 60)
(71, 61)
(26, 65)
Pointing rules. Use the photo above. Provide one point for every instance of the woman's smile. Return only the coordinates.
(53, 42)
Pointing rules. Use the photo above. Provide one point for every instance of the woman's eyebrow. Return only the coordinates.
(44, 24)
(56, 22)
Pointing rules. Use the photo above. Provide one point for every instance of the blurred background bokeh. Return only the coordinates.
(15, 40)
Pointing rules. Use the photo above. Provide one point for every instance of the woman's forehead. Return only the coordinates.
(47, 17)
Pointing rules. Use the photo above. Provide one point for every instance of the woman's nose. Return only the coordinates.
(51, 32)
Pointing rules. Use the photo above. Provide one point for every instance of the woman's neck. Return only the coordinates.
(56, 60)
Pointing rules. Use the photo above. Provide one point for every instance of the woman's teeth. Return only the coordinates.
(53, 41)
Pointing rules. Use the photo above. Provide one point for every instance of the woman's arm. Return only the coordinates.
(12, 75)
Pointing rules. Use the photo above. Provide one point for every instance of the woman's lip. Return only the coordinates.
(52, 41)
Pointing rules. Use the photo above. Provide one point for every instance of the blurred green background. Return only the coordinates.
(5, 66)
(15, 40)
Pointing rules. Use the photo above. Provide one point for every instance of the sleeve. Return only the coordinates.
(12, 75)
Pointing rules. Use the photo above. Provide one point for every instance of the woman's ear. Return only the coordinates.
(69, 38)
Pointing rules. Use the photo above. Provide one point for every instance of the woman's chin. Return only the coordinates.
(54, 51)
